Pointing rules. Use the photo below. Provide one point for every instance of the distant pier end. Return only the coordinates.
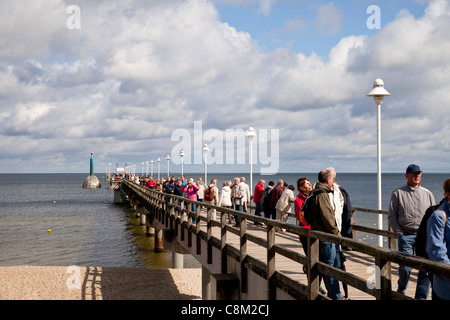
(91, 182)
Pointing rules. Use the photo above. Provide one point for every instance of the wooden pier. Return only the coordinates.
(255, 262)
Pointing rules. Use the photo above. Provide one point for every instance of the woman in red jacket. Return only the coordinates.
(304, 188)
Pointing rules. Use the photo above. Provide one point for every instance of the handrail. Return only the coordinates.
(167, 211)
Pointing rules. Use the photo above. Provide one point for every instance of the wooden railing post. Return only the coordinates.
(313, 274)
(385, 285)
(243, 254)
(271, 288)
(209, 235)
(166, 212)
(190, 223)
(171, 213)
(223, 243)
(197, 229)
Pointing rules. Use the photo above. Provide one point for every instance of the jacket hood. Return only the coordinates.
(322, 186)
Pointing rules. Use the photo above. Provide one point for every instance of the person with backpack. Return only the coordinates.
(438, 243)
(406, 209)
(265, 200)
(212, 196)
(225, 198)
(304, 188)
(319, 213)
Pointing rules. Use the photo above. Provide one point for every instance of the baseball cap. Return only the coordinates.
(413, 168)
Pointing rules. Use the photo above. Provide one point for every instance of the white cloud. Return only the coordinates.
(27, 27)
(138, 70)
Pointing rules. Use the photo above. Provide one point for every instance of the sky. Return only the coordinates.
(134, 81)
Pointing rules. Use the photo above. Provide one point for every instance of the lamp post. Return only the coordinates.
(250, 135)
(146, 168)
(205, 153)
(168, 161)
(159, 161)
(142, 168)
(151, 167)
(378, 93)
(182, 156)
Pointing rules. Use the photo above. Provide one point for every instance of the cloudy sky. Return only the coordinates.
(131, 80)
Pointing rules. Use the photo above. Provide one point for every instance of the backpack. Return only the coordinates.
(307, 207)
(209, 194)
(239, 192)
(420, 244)
(267, 198)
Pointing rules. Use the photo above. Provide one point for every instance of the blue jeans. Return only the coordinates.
(194, 208)
(258, 209)
(329, 254)
(238, 207)
(405, 245)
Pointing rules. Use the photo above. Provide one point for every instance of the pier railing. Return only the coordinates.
(174, 211)
(390, 235)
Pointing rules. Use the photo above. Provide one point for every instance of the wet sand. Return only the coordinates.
(97, 283)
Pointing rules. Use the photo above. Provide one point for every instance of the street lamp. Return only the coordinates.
(146, 168)
(159, 161)
(142, 168)
(250, 135)
(205, 152)
(151, 167)
(181, 156)
(378, 93)
(168, 161)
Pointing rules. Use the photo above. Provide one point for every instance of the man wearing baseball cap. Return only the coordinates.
(406, 209)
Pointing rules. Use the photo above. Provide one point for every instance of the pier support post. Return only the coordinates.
(177, 260)
(206, 284)
(143, 218)
(159, 241)
(117, 198)
(137, 207)
(149, 223)
(150, 231)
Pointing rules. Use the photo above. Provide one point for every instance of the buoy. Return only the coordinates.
(54, 202)
(49, 230)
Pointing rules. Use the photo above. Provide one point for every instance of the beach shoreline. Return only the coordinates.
(98, 283)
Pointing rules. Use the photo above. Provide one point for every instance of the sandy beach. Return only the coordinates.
(97, 283)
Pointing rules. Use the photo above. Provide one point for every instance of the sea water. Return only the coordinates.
(48, 219)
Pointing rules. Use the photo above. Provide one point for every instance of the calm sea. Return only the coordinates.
(88, 229)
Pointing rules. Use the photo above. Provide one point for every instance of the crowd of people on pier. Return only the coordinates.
(420, 224)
